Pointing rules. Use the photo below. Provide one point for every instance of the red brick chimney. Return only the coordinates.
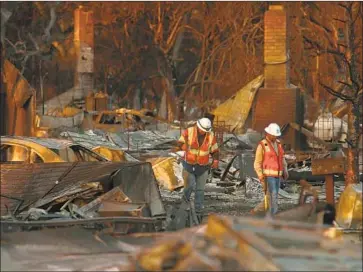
(277, 102)
(276, 53)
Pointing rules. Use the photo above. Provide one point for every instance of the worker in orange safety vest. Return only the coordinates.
(270, 166)
(199, 143)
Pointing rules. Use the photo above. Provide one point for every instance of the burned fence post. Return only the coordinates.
(329, 167)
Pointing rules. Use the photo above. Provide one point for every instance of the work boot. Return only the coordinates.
(200, 218)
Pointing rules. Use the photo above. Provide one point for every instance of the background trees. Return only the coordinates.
(183, 58)
(185, 54)
(332, 49)
(146, 52)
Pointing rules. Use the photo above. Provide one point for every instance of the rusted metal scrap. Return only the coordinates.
(328, 166)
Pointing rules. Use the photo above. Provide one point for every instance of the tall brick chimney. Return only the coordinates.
(277, 102)
(84, 46)
(276, 48)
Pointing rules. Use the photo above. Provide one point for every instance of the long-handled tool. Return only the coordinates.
(265, 197)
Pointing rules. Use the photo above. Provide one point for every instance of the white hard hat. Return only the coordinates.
(204, 124)
(273, 129)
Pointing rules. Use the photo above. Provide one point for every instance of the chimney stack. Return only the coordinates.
(84, 46)
(278, 102)
(276, 48)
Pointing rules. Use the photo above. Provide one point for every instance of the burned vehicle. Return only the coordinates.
(98, 144)
(116, 121)
(44, 150)
(126, 120)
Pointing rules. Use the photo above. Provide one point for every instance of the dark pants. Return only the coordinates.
(195, 178)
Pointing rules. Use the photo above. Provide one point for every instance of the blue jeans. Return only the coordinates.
(198, 182)
(273, 185)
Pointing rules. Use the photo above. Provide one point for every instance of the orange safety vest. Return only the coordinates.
(272, 164)
(195, 153)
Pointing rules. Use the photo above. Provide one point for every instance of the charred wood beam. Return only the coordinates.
(308, 133)
(307, 175)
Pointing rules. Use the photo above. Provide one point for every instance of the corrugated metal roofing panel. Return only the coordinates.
(39, 184)
(140, 139)
(235, 110)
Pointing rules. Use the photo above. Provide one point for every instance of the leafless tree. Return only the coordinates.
(339, 36)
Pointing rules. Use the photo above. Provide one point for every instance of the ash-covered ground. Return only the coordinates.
(239, 203)
(236, 203)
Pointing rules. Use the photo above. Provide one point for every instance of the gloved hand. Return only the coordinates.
(175, 149)
(263, 182)
(179, 148)
(184, 147)
(215, 164)
(262, 178)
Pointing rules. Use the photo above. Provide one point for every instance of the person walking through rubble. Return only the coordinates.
(270, 166)
(199, 143)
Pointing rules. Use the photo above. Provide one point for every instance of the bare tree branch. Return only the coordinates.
(343, 6)
(193, 30)
(358, 44)
(33, 41)
(346, 84)
(339, 20)
(173, 34)
(335, 93)
(351, 74)
(314, 21)
(5, 16)
(53, 18)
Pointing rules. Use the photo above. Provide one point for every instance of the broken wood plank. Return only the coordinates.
(308, 134)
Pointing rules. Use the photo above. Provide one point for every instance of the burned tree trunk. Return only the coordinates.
(353, 141)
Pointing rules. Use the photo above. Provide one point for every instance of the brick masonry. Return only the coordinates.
(275, 48)
(280, 106)
(276, 102)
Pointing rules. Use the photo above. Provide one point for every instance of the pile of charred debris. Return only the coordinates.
(64, 194)
(121, 209)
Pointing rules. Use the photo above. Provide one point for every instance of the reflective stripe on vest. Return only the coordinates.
(272, 164)
(199, 154)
